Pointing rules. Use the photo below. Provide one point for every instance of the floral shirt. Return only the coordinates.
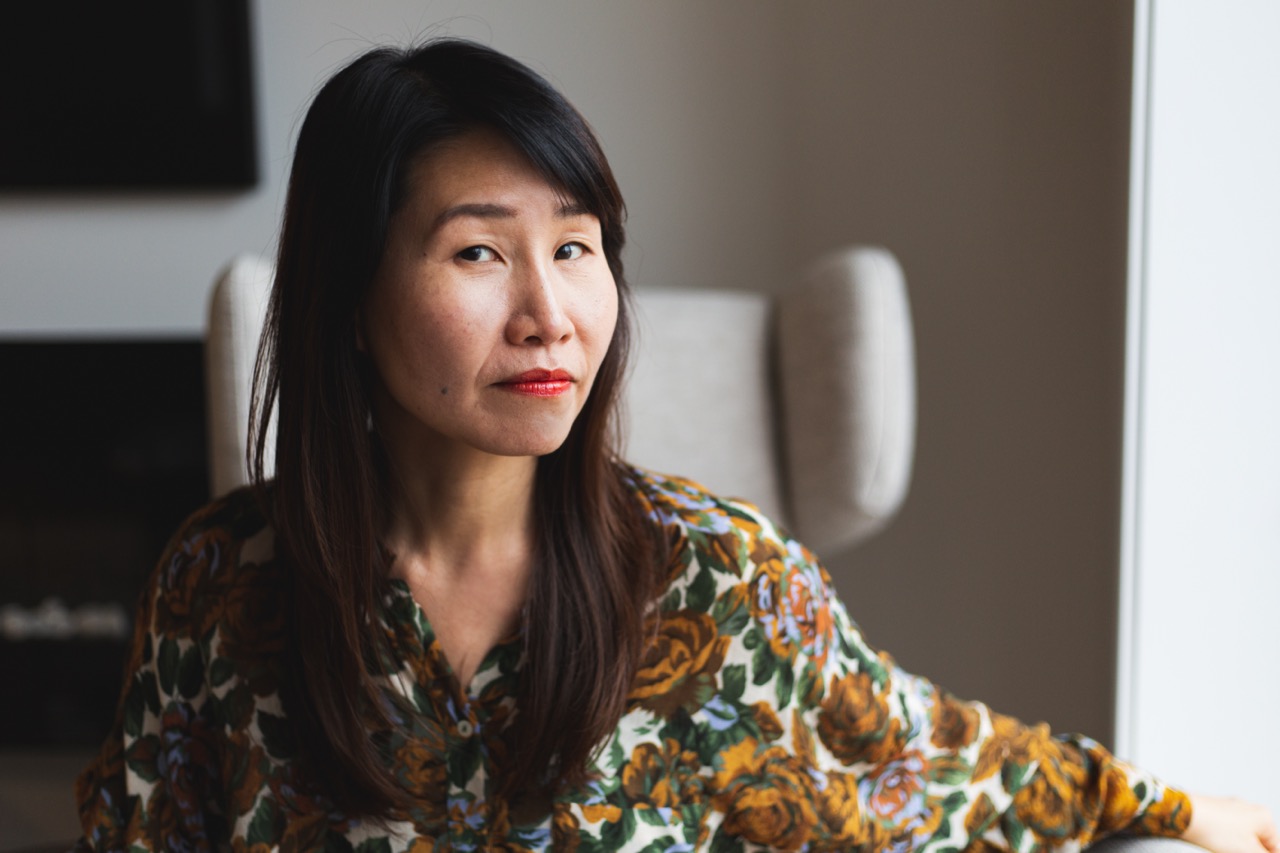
(759, 718)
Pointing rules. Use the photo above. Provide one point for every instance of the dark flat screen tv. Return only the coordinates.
(149, 94)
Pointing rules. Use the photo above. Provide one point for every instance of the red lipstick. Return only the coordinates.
(539, 382)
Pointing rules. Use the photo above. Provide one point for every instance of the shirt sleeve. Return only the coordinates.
(872, 756)
(153, 784)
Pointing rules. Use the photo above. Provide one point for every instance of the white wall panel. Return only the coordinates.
(1205, 651)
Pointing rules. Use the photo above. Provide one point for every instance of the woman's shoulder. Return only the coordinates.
(675, 501)
(723, 536)
(739, 589)
(223, 551)
(685, 505)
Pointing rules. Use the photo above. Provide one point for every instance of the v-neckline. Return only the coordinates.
(431, 647)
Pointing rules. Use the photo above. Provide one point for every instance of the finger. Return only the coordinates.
(1270, 838)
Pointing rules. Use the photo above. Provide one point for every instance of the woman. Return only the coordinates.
(454, 618)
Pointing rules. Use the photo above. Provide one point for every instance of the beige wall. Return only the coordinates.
(986, 143)
(983, 142)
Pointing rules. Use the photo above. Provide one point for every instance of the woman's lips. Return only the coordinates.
(539, 382)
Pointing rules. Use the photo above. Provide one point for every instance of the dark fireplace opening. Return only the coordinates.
(102, 455)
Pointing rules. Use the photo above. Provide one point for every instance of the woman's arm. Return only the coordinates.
(817, 737)
(155, 783)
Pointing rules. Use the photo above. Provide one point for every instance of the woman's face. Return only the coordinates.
(492, 308)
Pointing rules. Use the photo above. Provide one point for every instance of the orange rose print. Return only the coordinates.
(252, 631)
(791, 602)
(194, 582)
(767, 795)
(655, 776)
(421, 766)
(1044, 806)
(564, 829)
(679, 668)
(955, 723)
(981, 815)
(767, 719)
(854, 722)
(843, 819)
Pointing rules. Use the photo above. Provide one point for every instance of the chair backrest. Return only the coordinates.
(803, 403)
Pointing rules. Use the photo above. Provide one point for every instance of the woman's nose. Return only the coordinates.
(538, 312)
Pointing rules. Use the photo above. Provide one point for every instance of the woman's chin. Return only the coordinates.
(526, 444)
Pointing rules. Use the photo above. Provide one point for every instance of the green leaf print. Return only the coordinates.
(266, 825)
(135, 709)
(955, 800)
(141, 757)
(763, 665)
(1015, 776)
(150, 691)
(671, 603)
(237, 706)
(722, 842)
(167, 665)
(691, 819)
(731, 614)
(733, 679)
(868, 661)
(588, 844)
(680, 728)
(615, 835)
(616, 756)
(1013, 831)
(191, 673)
(463, 762)
(785, 683)
(649, 816)
(701, 592)
(220, 671)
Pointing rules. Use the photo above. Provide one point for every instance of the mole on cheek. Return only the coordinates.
(444, 389)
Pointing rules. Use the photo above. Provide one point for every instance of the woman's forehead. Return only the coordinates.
(482, 174)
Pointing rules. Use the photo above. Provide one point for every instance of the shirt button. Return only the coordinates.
(464, 728)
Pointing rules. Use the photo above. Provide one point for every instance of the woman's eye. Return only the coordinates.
(570, 252)
(477, 254)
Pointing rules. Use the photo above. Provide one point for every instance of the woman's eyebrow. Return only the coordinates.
(572, 208)
(479, 210)
(482, 210)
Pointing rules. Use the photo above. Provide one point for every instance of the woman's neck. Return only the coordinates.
(458, 510)
(460, 526)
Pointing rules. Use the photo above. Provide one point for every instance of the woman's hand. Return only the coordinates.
(1231, 826)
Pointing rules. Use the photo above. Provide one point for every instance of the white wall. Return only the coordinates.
(1205, 510)
(984, 142)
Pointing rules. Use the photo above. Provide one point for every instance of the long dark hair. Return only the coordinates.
(594, 570)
